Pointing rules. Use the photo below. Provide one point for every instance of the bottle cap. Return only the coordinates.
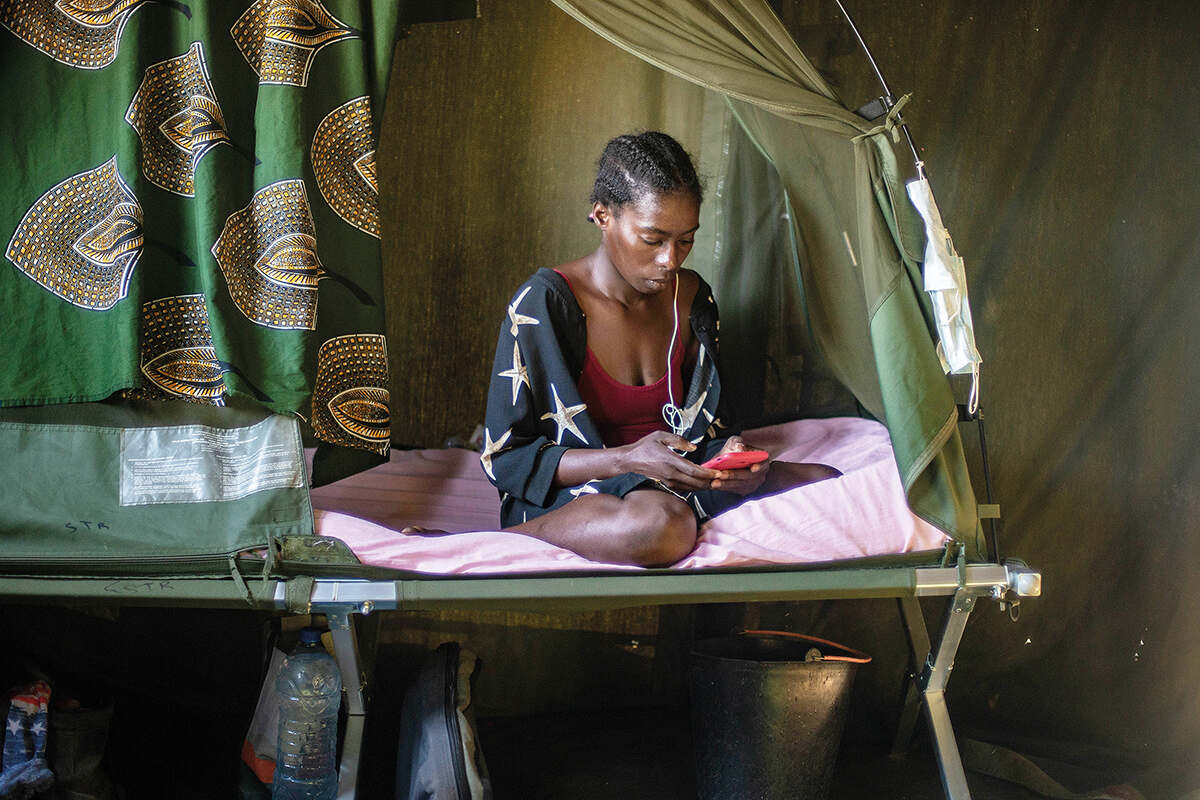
(310, 635)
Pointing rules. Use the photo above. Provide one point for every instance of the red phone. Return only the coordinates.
(739, 459)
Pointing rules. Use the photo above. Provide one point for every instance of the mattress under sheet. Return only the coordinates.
(863, 513)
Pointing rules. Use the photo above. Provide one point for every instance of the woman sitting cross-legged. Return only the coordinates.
(605, 396)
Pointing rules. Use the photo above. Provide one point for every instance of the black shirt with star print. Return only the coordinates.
(535, 413)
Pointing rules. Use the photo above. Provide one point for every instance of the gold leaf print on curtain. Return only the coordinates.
(343, 158)
(80, 33)
(178, 356)
(268, 254)
(280, 38)
(178, 120)
(82, 239)
(350, 398)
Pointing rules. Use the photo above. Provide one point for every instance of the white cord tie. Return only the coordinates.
(672, 415)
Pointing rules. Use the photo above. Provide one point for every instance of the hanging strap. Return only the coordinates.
(297, 594)
(973, 402)
(856, 657)
(269, 561)
(236, 574)
(889, 124)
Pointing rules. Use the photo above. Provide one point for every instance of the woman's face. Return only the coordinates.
(647, 241)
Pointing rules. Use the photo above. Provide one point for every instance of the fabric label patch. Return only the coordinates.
(200, 464)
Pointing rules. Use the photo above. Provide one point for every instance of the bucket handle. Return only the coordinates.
(856, 657)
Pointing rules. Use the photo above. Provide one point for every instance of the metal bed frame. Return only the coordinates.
(964, 586)
(343, 600)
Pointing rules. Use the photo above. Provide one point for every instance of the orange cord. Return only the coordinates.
(859, 657)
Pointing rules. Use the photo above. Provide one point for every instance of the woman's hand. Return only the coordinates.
(655, 456)
(740, 481)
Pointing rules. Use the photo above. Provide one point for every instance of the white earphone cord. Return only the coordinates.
(672, 415)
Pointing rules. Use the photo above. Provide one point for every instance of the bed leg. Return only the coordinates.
(346, 646)
(927, 687)
(918, 639)
(351, 752)
(932, 683)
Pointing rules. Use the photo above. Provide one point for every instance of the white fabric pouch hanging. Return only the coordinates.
(946, 283)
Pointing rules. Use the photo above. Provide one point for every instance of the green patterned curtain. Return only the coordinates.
(190, 208)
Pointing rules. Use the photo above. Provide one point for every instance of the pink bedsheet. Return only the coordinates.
(862, 513)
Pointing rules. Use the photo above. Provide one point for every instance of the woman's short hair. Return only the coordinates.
(637, 164)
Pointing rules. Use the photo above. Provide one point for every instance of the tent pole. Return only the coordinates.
(987, 482)
(888, 99)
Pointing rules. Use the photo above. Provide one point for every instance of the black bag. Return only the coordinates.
(439, 756)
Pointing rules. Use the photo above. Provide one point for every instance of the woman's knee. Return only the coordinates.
(660, 529)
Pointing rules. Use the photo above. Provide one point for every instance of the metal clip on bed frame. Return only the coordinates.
(932, 667)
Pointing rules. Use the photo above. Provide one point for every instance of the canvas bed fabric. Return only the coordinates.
(857, 240)
(191, 208)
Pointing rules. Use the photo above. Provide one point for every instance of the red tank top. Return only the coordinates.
(625, 413)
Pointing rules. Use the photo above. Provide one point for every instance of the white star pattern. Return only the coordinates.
(38, 727)
(518, 374)
(491, 448)
(520, 319)
(14, 726)
(586, 488)
(716, 424)
(564, 417)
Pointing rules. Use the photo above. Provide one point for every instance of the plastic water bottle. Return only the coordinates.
(309, 688)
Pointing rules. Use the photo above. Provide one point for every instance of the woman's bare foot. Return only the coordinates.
(417, 530)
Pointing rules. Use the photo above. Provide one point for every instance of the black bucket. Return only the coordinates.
(766, 722)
